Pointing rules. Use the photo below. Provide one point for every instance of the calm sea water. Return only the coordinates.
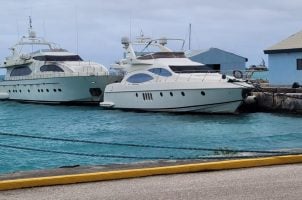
(256, 131)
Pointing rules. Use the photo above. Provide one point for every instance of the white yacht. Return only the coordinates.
(168, 81)
(40, 71)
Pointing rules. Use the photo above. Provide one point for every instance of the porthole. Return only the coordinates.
(54, 90)
(28, 90)
(171, 94)
(47, 90)
(182, 93)
(202, 93)
(59, 90)
(38, 90)
(8, 90)
(136, 94)
(161, 94)
(20, 91)
(41, 90)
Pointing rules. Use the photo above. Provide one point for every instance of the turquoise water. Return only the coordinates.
(256, 131)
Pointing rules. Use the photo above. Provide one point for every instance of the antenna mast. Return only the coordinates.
(77, 28)
(130, 28)
(31, 33)
(30, 23)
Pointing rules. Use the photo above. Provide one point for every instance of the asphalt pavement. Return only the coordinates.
(275, 182)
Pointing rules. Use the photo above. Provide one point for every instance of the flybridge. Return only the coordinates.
(31, 42)
(145, 48)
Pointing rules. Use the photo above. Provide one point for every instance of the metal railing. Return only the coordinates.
(47, 75)
(206, 75)
(176, 77)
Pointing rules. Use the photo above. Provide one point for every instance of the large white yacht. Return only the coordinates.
(40, 71)
(168, 81)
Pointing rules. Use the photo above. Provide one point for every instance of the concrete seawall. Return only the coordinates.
(277, 100)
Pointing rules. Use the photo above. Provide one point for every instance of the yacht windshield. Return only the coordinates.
(161, 55)
(139, 78)
(160, 72)
(58, 58)
(191, 69)
(21, 71)
(51, 68)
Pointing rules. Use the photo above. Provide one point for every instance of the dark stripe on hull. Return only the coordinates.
(54, 102)
(173, 108)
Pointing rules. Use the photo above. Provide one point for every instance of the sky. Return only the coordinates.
(94, 28)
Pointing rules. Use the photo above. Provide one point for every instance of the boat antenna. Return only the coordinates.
(30, 23)
(190, 27)
(77, 29)
(142, 33)
(130, 27)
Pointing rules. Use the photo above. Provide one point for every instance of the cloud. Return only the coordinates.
(243, 27)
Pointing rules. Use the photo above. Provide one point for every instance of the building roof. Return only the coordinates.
(291, 44)
(192, 53)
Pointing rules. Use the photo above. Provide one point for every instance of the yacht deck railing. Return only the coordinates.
(56, 75)
(209, 75)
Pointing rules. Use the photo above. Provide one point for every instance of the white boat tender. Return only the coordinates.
(168, 81)
(40, 71)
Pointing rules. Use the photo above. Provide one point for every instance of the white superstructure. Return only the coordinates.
(40, 71)
(168, 81)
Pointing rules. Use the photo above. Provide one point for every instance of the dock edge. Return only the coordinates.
(152, 171)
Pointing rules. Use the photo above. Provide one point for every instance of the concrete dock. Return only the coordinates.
(275, 182)
(276, 99)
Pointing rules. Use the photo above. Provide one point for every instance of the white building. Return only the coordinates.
(285, 61)
(218, 59)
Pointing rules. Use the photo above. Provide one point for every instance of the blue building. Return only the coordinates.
(285, 61)
(218, 59)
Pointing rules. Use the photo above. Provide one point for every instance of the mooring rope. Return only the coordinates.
(143, 145)
(134, 157)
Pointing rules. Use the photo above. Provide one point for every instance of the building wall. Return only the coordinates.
(228, 61)
(283, 68)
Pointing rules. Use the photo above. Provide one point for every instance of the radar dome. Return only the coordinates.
(125, 41)
(163, 41)
(32, 34)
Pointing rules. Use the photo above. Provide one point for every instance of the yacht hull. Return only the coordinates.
(58, 90)
(202, 100)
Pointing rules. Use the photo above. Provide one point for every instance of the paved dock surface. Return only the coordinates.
(276, 182)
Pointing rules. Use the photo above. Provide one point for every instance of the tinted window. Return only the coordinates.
(51, 68)
(162, 55)
(21, 71)
(299, 64)
(58, 58)
(160, 71)
(191, 69)
(139, 78)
